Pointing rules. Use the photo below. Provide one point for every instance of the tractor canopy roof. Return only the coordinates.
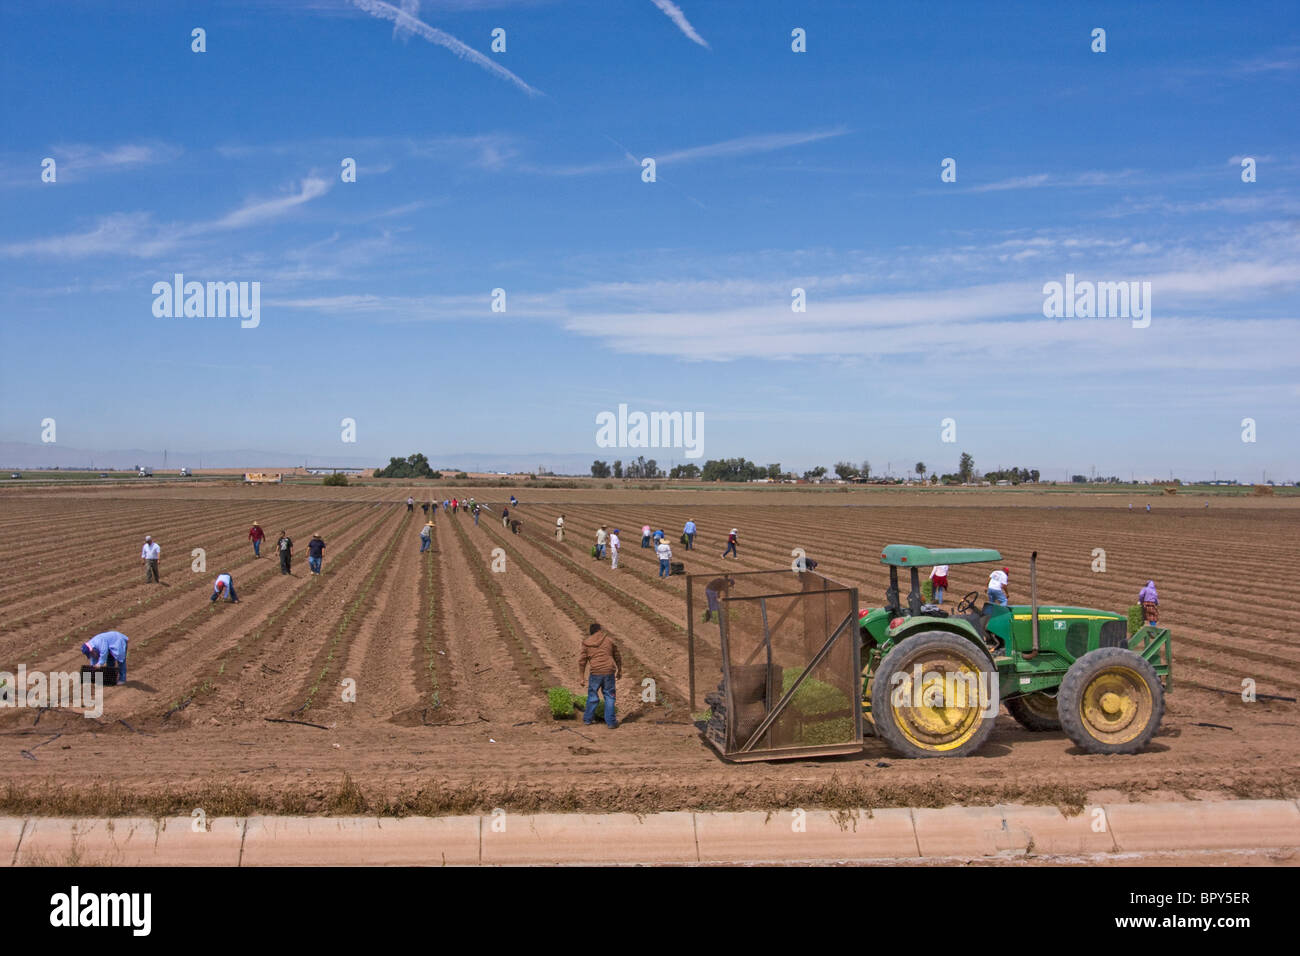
(915, 556)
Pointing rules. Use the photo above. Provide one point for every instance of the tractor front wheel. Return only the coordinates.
(935, 695)
(1036, 712)
(1111, 701)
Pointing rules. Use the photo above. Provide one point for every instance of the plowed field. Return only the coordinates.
(448, 659)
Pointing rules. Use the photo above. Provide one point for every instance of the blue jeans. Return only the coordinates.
(600, 550)
(257, 549)
(997, 597)
(645, 541)
(476, 517)
(314, 564)
(605, 684)
(690, 540)
(938, 595)
(665, 570)
(424, 544)
(731, 549)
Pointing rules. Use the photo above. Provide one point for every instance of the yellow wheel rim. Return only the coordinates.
(940, 708)
(1116, 705)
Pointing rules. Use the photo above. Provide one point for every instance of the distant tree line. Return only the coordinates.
(414, 466)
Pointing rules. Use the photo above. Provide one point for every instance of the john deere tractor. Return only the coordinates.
(933, 679)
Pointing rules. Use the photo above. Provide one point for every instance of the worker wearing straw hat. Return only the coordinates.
(256, 535)
(731, 545)
(426, 536)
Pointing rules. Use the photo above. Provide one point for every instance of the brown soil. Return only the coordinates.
(450, 658)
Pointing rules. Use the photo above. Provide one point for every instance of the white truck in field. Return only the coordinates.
(144, 472)
(187, 473)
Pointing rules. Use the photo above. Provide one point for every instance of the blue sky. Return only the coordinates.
(776, 170)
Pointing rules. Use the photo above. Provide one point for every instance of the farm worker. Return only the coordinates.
(600, 651)
(938, 582)
(559, 528)
(455, 505)
(505, 517)
(446, 505)
(224, 584)
(514, 502)
(424, 506)
(688, 529)
(1150, 604)
(1148, 509)
(410, 503)
(256, 535)
(315, 553)
(998, 586)
(514, 525)
(601, 538)
(285, 546)
(107, 647)
(426, 534)
(474, 509)
(613, 548)
(665, 553)
(149, 555)
(715, 587)
(731, 545)
(645, 536)
(658, 536)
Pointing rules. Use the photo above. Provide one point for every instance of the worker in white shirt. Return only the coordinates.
(559, 528)
(938, 583)
(601, 538)
(224, 585)
(613, 549)
(998, 586)
(149, 555)
(665, 554)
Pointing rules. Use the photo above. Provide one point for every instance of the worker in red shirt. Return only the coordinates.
(256, 535)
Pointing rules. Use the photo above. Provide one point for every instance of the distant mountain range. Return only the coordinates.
(27, 455)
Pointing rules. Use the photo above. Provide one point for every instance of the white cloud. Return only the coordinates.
(262, 210)
(402, 19)
(674, 13)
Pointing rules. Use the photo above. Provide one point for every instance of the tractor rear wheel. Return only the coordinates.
(1035, 711)
(1111, 701)
(935, 695)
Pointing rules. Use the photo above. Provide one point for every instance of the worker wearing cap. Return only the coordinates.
(256, 535)
(613, 549)
(1150, 602)
(426, 536)
(688, 530)
(731, 545)
(997, 588)
(315, 553)
(224, 585)
(106, 648)
(149, 555)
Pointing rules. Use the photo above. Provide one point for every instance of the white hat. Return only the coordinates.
(148, 537)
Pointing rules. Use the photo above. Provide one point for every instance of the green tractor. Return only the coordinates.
(933, 679)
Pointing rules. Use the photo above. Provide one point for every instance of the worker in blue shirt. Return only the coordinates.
(689, 530)
(107, 647)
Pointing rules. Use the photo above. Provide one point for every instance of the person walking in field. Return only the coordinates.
(1150, 602)
(938, 583)
(559, 528)
(424, 506)
(224, 585)
(606, 664)
(731, 545)
(315, 553)
(285, 547)
(613, 549)
(410, 504)
(455, 505)
(665, 554)
(149, 555)
(505, 517)
(645, 536)
(474, 511)
(689, 531)
(426, 536)
(601, 538)
(107, 648)
(997, 589)
(256, 535)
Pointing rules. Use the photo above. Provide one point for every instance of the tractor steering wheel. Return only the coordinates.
(967, 604)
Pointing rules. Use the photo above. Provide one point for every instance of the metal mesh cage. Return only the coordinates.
(789, 659)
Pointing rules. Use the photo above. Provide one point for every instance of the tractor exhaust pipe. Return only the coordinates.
(1033, 602)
